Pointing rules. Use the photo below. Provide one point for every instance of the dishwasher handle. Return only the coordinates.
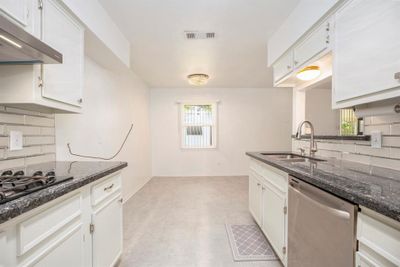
(340, 213)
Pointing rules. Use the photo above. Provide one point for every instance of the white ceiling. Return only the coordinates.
(237, 57)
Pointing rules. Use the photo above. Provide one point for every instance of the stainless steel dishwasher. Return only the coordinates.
(321, 228)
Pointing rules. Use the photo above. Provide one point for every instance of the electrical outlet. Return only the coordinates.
(376, 139)
(16, 140)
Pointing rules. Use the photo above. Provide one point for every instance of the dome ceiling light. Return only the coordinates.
(198, 79)
(308, 73)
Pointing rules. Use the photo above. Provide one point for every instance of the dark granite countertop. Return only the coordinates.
(373, 187)
(337, 137)
(84, 172)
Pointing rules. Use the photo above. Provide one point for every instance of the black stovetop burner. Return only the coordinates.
(16, 184)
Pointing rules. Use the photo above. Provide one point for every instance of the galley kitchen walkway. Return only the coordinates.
(173, 222)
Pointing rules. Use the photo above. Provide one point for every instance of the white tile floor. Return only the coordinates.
(181, 222)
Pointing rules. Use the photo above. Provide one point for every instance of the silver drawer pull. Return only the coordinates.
(108, 188)
(397, 75)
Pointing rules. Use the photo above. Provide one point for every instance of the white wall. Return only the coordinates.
(318, 110)
(112, 101)
(248, 120)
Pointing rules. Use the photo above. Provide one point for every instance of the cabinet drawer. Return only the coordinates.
(274, 176)
(105, 189)
(47, 223)
(379, 237)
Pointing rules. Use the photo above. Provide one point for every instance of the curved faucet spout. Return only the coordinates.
(313, 145)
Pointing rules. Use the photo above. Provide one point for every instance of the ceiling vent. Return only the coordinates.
(193, 35)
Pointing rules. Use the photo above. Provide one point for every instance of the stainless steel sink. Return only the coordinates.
(290, 157)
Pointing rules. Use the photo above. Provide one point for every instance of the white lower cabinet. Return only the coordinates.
(107, 227)
(267, 203)
(68, 231)
(379, 240)
(274, 217)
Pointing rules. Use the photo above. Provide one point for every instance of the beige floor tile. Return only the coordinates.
(180, 221)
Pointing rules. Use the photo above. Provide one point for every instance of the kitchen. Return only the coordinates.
(199, 133)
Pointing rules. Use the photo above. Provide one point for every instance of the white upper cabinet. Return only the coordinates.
(62, 82)
(283, 67)
(313, 45)
(54, 88)
(366, 54)
(19, 11)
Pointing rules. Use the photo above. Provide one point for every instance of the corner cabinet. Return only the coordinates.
(366, 58)
(82, 228)
(52, 88)
(268, 204)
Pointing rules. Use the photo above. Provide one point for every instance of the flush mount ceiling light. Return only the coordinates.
(308, 73)
(198, 79)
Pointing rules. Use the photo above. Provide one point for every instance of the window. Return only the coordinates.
(198, 125)
(348, 122)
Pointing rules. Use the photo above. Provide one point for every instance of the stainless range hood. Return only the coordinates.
(19, 47)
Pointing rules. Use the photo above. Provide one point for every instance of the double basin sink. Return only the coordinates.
(291, 157)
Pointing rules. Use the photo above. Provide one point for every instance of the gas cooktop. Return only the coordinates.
(17, 184)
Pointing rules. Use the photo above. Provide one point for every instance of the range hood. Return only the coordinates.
(19, 47)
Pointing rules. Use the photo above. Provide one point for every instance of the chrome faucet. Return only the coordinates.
(313, 144)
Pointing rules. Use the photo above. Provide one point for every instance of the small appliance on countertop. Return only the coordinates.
(15, 184)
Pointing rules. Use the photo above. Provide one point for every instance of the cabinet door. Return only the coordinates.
(283, 66)
(17, 10)
(366, 51)
(62, 82)
(69, 252)
(255, 197)
(107, 235)
(315, 44)
(274, 217)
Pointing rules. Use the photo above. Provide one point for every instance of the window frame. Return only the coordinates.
(183, 125)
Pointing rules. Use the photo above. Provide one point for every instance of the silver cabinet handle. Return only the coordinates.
(296, 62)
(258, 184)
(108, 188)
(397, 75)
(288, 67)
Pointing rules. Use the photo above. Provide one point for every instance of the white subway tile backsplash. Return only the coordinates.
(392, 141)
(395, 129)
(27, 151)
(39, 140)
(376, 152)
(3, 142)
(11, 163)
(385, 129)
(11, 118)
(385, 119)
(26, 130)
(39, 121)
(360, 151)
(357, 158)
(47, 131)
(39, 137)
